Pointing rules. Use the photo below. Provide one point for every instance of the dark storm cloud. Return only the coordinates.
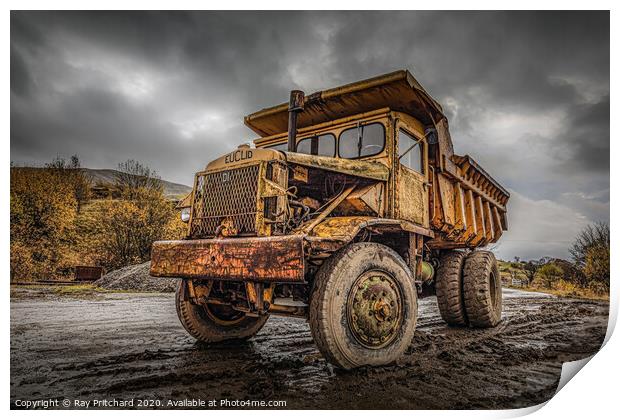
(587, 136)
(20, 80)
(527, 94)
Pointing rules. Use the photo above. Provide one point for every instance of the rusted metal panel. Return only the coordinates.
(364, 201)
(243, 156)
(344, 229)
(276, 258)
(412, 199)
(308, 227)
(469, 207)
(488, 222)
(398, 91)
(361, 168)
(88, 273)
(437, 211)
(469, 167)
(185, 201)
(497, 224)
(481, 227)
(446, 196)
(470, 217)
(459, 208)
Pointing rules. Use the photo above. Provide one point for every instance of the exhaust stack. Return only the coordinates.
(295, 105)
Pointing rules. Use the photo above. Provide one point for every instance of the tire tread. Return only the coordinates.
(449, 288)
(478, 304)
(207, 333)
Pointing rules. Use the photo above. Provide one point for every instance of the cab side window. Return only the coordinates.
(411, 151)
(283, 147)
(325, 145)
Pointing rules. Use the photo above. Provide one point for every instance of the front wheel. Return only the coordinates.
(363, 307)
(215, 323)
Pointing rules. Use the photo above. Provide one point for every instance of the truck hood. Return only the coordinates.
(246, 156)
(243, 156)
(355, 167)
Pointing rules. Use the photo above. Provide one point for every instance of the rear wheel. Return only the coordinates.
(449, 288)
(214, 323)
(482, 289)
(363, 307)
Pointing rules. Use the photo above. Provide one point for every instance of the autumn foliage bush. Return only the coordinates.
(55, 226)
(120, 232)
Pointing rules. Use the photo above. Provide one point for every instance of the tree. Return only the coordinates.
(591, 253)
(517, 259)
(596, 234)
(572, 273)
(133, 177)
(74, 175)
(550, 273)
(531, 269)
(596, 267)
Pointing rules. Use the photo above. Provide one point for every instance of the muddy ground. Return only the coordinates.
(127, 346)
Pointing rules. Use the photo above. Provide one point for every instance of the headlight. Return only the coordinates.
(185, 214)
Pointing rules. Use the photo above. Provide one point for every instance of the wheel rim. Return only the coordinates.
(223, 314)
(374, 309)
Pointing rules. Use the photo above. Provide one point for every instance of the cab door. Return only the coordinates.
(412, 176)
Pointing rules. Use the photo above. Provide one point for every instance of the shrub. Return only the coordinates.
(590, 252)
(42, 212)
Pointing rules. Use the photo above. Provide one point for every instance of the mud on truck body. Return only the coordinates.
(350, 207)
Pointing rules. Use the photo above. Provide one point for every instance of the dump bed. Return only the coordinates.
(467, 206)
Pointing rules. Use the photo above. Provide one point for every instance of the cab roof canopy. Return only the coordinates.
(399, 91)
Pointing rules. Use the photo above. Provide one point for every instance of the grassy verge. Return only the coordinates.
(78, 289)
(567, 292)
(65, 290)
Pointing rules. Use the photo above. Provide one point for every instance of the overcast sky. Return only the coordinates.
(526, 94)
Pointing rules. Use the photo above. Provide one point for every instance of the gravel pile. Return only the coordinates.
(136, 278)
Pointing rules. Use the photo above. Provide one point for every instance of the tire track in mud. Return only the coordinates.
(132, 346)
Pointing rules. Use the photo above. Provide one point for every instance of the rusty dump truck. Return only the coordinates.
(350, 207)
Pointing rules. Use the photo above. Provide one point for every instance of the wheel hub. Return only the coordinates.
(223, 315)
(374, 309)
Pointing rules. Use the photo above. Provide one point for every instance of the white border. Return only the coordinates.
(592, 395)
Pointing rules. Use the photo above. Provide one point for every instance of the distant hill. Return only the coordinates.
(108, 176)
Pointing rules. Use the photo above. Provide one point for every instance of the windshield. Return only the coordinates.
(355, 142)
(361, 141)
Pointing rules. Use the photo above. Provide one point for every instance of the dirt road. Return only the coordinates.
(132, 346)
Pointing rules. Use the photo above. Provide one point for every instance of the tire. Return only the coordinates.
(482, 289)
(363, 306)
(449, 288)
(215, 323)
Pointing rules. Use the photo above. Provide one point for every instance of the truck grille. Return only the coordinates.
(226, 194)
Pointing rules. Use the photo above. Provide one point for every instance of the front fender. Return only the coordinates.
(335, 232)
